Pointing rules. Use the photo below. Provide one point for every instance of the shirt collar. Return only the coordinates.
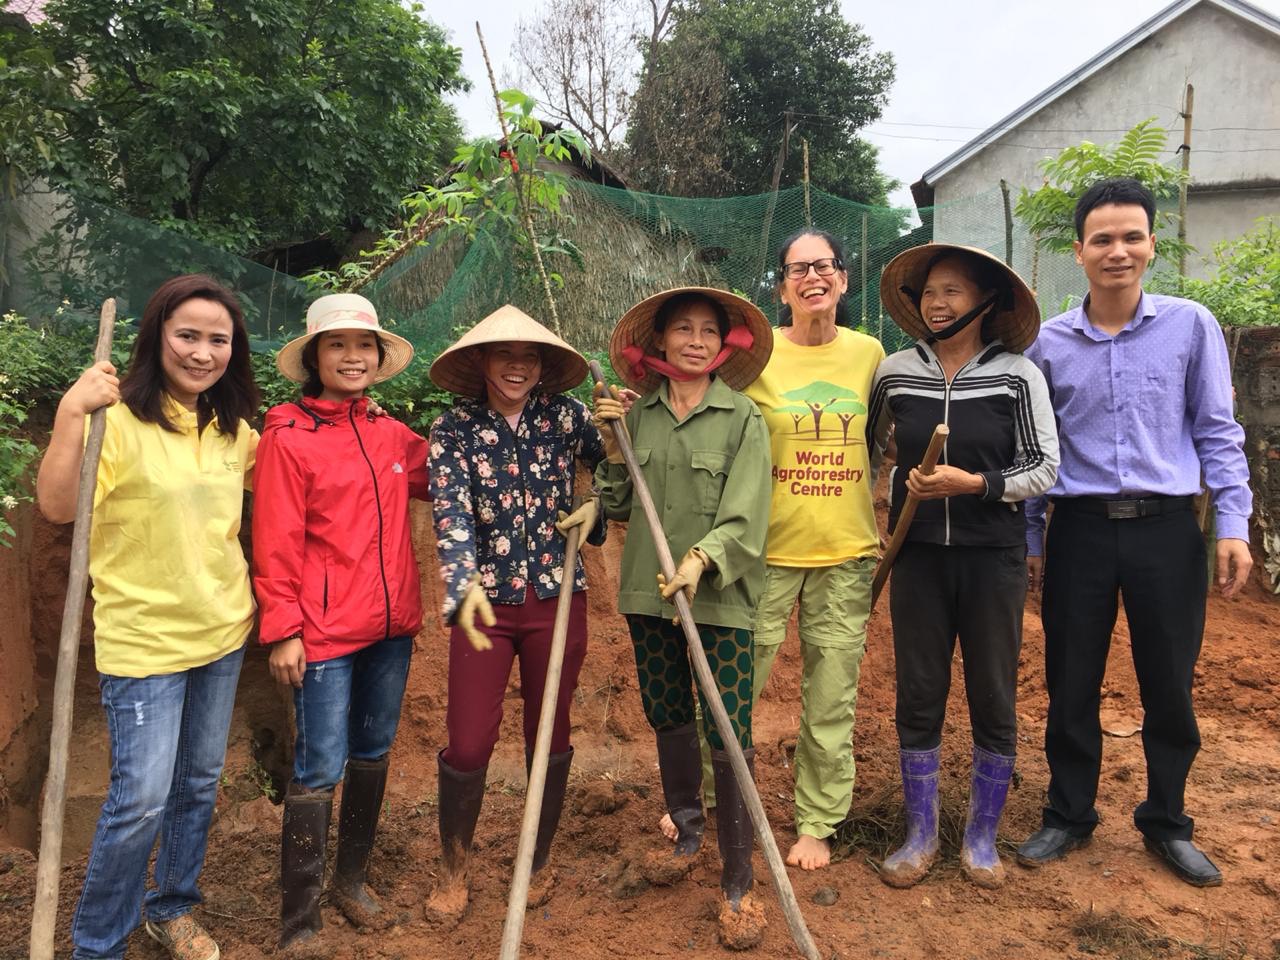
(1080, 319)
(178, 415)
(719, 394)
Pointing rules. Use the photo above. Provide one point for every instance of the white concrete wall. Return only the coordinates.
(1235, 69)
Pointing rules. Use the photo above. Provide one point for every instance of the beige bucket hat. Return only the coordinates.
(344, 311)
(749, 342)
(458, 371)
(1016, 317)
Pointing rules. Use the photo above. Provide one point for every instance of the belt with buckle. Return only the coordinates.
(1124, 509)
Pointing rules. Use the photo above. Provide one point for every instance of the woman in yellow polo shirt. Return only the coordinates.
(172, 602)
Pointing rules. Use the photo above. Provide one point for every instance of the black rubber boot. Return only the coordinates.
(460, 797)
(680, 766)
(304, 833)
(362, 793)
(542, 880)
(742, 920)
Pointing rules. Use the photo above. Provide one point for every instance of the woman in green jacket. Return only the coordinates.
(704, 451)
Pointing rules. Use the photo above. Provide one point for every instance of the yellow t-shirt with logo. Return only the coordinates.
(170, 583)
(814, 400)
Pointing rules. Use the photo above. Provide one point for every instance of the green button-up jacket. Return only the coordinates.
(710, 480)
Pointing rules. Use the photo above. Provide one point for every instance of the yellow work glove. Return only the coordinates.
(474, 601)
(584, 517)
(608, 408)
(692, 566)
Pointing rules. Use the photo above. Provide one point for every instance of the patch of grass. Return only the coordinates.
(1116, 935)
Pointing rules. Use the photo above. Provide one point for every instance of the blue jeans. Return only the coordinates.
(168, 741)
(348, 706)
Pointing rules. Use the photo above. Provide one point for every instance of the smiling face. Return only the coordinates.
(511, 370)
(691, 338)
(949, 293)
(347, 362)
(195, 348)
(811, 295)
(1117, 247)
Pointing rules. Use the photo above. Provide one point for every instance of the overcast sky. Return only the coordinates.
(962, 64)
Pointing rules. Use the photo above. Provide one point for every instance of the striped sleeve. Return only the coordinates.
(1035, 465)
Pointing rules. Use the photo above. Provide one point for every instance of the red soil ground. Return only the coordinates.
(1110, 899)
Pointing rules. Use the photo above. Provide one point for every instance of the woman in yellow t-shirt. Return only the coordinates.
(822, 541)
(173, 606)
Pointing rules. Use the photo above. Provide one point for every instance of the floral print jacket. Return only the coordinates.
(496, 494)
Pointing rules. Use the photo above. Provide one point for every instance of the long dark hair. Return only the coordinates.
(837, 250)
(311, 363)
(233, 398)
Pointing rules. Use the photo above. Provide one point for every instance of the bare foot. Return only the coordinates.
(809, 853)
(668, 827)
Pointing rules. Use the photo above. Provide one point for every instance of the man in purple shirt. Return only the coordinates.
(1141, 390)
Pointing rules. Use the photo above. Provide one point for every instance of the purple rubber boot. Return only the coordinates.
(907, 865)
(988, 789)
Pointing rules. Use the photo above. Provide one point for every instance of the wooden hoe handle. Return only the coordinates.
(908, 513)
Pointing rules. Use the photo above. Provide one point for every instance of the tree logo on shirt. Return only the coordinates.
(820, 398)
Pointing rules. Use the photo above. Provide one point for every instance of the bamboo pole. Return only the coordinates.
(44, 913)
(908, 513)
(1185, 150)
(751, 796)
(521, 195)
(863, 296)
(519, 895)
(808, 214)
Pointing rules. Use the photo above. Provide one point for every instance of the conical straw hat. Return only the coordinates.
(457, 369)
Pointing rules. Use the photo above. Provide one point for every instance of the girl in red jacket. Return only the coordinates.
(337, 583)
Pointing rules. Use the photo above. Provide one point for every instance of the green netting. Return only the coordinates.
(631, 245)
(623, 246)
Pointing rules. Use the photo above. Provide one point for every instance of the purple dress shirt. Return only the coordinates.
(1144, 411)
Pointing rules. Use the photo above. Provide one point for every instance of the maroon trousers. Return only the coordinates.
(478, 679)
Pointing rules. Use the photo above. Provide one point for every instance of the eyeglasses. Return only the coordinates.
(823, 268)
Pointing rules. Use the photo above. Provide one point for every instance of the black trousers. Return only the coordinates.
(1158, 565)
(976, 593)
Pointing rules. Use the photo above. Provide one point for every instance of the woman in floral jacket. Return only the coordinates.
(503, 461)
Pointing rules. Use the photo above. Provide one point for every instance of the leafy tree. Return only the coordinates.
(1245, 289)
(254, 124)
(789, 68)
(1049, 211)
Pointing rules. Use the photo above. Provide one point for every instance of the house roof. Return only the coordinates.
(1240, 8)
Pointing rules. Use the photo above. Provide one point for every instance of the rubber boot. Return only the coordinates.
(460, 797)
(542, 880)
(988, 790)
(907, 865)
(303, 835)
(362, 793)
(680, 766)
(742, 920)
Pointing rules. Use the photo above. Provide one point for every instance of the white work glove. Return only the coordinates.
(608, 408)
(688, 573)
(474, 601)
(584, 517)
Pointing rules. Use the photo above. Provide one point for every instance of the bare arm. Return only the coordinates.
(58, 482)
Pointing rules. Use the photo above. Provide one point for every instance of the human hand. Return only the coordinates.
(1234, 561)
(288, 662)
(97, 387)
(688, 573)
(1035, 574)
(584, 517)
(375, 410)
(945, 481)
(474, 601)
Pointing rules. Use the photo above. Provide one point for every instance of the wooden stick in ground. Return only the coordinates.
(908, 513)
(49, 867)
(519, 895)
(777, 872)
(527, 216)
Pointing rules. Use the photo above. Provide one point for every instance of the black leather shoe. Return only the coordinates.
(1186, 860)
(1048, 843)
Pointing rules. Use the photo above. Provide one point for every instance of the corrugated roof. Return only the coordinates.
(1245, 11)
